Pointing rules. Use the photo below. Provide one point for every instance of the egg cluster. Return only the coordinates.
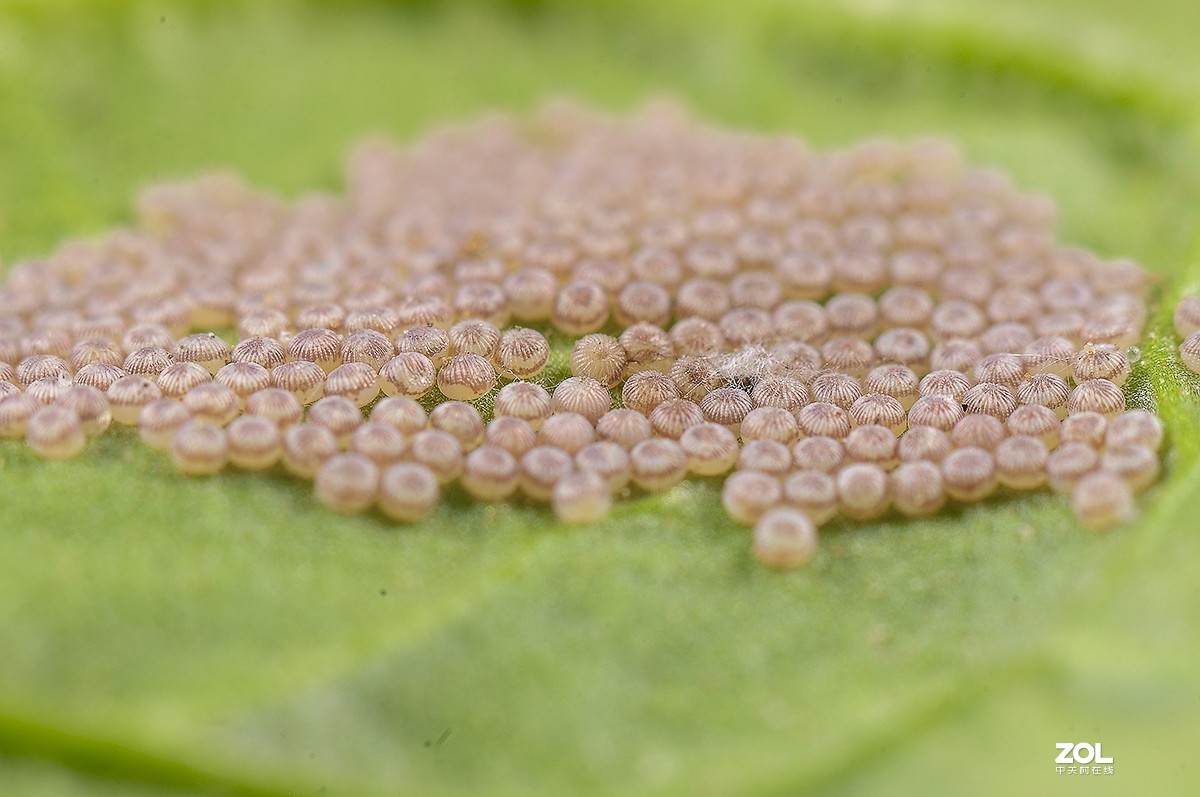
(854, 332)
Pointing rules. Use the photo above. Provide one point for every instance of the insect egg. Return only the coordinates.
(408, 492)
(1189, 351)
(767, 456)
(581, 497)
(908, 347)
(863, 491)
(608, 460)
(1051, 355)
(55, 433)
(895, 380)
(645, 390)
(303, 379)
(695, 337)
(541, 467)
(877, 408)
(148, 362)
(566, 430)
(821, 419)
(936, 410)
(490, 474)
(244, 379)
(580, 307)
(522, 353)
(95, 350)
(812, 492)
(874, 444)
(818, 453)
(672, 418)
(711, 449)
(1047, 390)
(158, 421)
(267, 352)
(1187, 316)
(213, 402)
(1100, 361)
(95, 414)
(756, 289)
(15, 412)
(646, 347)
(779, 391)
(41, 366)
(199, 448)
(466, 377)
(412, 375)
(98, 375)
(835, 388)
(512, 434)
(727, 406)
(425, 311)
(1136, 427)
(1097, 395)
(531, 293)
(917, 488)
(367, 346)
(141, 336)
(581, 395)
(327, 315)
(747, 495)
(1021, 462)
(473, 336)
(702, 298)
(600, 357)
(347, 483)
(1136, 464)
(255, 442)
(378, 442)
(784, 538)
(267, 322)
(317, 345)
(848, 355)
(1069, 463)
(695, 377)
(1102, 500)
(657, 464)
(205, 349)
(439, 451)
(176, 380)
(746, 326)
(1005, 337)
(430, 342)
(1001, 369)
(955, 354)
(969, 474)
(358, 382)
(47, 390)
(624, 427)
(337, 414)
(990, 398)
(402, 414)
(376, 318)
(128, 395)
(461, 420)
(525, 400)
(906, 306)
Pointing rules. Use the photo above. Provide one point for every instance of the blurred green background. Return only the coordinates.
(160, 635)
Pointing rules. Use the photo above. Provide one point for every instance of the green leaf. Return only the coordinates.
(160, 634)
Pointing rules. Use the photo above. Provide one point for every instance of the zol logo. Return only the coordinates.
(1077, 758)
